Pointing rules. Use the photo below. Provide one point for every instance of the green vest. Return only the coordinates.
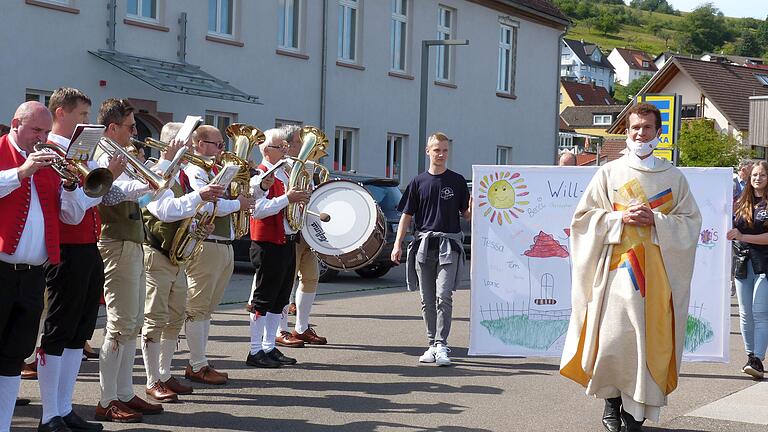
(122, 222)
(222, 226)
(160, 234)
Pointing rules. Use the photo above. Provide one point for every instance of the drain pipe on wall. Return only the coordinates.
(323, 65)
(557, 95)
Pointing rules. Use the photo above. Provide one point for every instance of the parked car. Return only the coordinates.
(387, 194)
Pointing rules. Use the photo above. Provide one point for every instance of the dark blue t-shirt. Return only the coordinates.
(436, 201)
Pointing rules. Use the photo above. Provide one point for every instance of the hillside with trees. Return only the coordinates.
(655, 26)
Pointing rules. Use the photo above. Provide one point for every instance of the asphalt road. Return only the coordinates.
(368, 378)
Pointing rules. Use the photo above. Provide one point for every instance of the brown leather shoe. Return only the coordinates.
(29, 371)
(117, 412)
(292, 309)
(178, 387)
(310, 337)
(286, 339)
(205, 375)
(140, 405)
(160, 392)
(224, 374)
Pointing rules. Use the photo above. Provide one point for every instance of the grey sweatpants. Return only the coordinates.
(436, 287)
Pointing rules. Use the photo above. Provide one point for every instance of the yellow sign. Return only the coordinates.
(667, 105)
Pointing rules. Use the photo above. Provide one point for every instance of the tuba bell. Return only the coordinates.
(95, 182)
(305, 167)
(245, 138)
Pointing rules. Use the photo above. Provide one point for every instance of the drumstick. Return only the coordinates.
(324, 217)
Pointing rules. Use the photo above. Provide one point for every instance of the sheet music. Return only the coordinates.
(274, 168)
(84, 141)
(226, 175)
(190, 124)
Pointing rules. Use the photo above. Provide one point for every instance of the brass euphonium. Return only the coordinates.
(189, 237)
(96, 182)
(204, 162)
(158, 182)
(245, 138)
(314, 143)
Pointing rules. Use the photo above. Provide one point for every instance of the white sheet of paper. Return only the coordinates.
(84, 141)
(190, 124)
(225, 176)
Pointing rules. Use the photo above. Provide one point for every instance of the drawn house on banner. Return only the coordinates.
(549, 277)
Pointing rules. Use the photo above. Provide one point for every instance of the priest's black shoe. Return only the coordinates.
(631, 424)
(261, 360)
(56, 424)
(77, 424)
(22, 401)
(277, 356)
(612, 415)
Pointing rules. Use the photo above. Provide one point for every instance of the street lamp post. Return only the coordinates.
(423, 87)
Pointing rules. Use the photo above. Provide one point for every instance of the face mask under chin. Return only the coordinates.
(642, 149)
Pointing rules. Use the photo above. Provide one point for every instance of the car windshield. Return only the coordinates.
(388, 198)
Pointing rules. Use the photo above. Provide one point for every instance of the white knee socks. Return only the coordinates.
(195, 333)
(125, 372)
(9, 390)
(257, 324)
(273, 321)
(48, 376)
(151, 353)
(304, 303)
(283, 325)
(70, 367)
(168, 348)
(109, 364)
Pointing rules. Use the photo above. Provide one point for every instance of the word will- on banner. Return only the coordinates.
(521, 262)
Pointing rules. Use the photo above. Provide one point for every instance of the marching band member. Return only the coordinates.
(74, 286)
(166, 282)
(273, 253)
(308, 274)
(208, 273)
(122, 235)
(32, 203)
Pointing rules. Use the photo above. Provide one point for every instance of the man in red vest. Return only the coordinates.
(32, 205)
(273, 253)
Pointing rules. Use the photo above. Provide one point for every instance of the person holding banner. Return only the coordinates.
(434, 200)
(750, 222)
(633, 243)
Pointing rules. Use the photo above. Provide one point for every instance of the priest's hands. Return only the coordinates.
(638, 215)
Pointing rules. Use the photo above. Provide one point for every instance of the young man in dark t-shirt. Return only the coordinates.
(434, 200)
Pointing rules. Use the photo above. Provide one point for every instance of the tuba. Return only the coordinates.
(140, 172)
(245, 138)
(96, 182)
(305, 167)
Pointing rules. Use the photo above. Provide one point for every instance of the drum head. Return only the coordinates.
(353, 213)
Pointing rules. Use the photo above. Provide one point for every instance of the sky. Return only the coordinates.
(732, 8)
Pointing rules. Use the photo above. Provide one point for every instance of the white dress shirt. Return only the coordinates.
(265, 207)
(31, 248)
(197, 179)
(133, 189)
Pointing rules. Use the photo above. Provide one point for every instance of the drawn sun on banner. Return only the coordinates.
(500, 194)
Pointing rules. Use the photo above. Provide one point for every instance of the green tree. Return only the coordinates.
(749, 45)
(701, 145)
(607, 23)
(625, 94)
(703, 30)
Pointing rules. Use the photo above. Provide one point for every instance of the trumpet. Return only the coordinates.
(95, 182)
(140, 172)
(204, 162)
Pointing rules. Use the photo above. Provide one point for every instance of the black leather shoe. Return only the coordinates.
(56, 424)
(277, 356)
(76, 423)
(612, 415)
(261, 360)
(630, 422)
(22, 401)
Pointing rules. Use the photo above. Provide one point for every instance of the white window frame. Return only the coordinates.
(42, 96)
(503, 155)
(602, 119)
(508, 65)
(292, 14)
(393, 168)
(343, 161)
(399, 39)
(139, 15)
(215, 121)
(233, 19)
(445, 54)
(348, 35)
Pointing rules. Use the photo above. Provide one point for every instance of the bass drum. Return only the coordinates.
(354, 235)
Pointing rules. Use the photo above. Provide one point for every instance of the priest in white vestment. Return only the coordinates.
(633, 242)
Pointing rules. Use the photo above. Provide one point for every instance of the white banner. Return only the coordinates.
(521, 279)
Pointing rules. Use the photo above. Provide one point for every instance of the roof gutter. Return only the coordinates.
(517, 5)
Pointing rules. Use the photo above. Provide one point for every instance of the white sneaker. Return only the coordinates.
(441, 355)
(428, 356)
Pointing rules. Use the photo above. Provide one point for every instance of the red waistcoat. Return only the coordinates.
(14, 207)
(87, 232)
(271, 228)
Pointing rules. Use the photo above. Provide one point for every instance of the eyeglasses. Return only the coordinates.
(220, 145)
(130, 127)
